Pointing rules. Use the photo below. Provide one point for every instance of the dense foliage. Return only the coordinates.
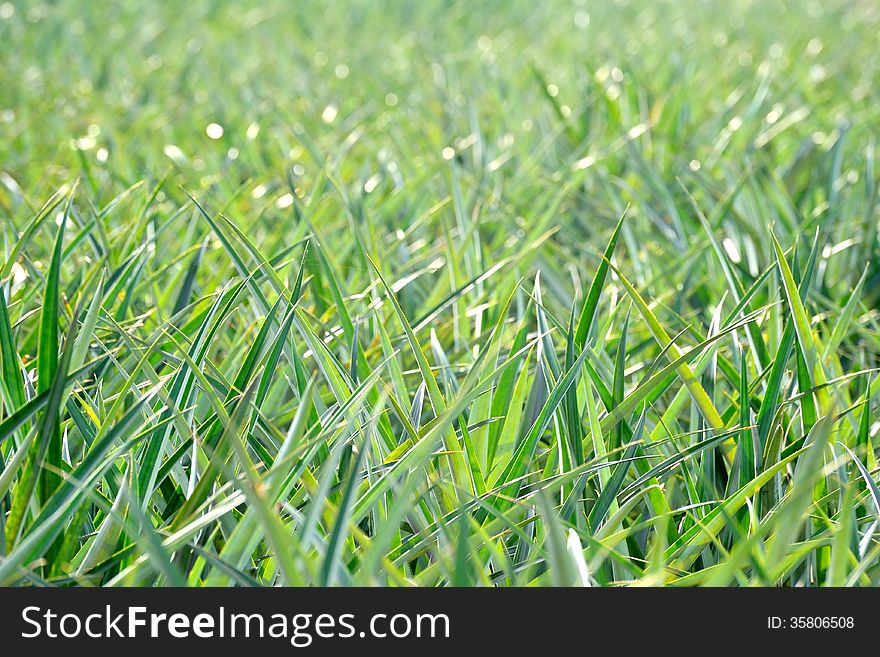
(439, 293)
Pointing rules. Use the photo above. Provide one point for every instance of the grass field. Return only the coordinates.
(439, 293)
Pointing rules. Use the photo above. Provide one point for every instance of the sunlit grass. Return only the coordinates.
(439, 294)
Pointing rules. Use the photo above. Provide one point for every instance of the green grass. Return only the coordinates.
(452, 293)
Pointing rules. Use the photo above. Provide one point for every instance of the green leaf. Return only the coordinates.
(591, 303)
